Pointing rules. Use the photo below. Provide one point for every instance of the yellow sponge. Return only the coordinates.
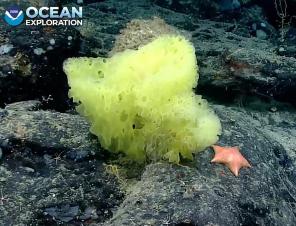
(140, 102)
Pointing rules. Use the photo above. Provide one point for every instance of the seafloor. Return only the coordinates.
(53, 171)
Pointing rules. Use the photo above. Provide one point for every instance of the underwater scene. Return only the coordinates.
(148, 112)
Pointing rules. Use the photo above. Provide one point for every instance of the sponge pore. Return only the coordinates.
(141, 102)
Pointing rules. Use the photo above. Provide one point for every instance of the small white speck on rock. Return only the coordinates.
(5, 48)
(262, 24)
(52, 41)
(39, 51)
(273, 109)
(281, 49)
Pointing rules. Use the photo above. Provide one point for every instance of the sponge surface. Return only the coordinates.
(141, 102)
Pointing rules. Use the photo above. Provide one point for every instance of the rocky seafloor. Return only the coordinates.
(54, 172)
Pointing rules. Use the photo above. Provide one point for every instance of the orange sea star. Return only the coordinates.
(231, 157)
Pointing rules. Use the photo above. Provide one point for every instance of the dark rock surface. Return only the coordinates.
(207, 194)
(54, 188)
(53, 171)
(45, 129)
(239, 59)
(48, 172)
(242, 65)
(31, 69)
(240, 53)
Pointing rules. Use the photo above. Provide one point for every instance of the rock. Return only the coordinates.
(4, 49)
(27, 170)
(261, 34)
(166, 193)
(235, 64)
(288, 46)
(231, 59)
(202, 8)
(39, 51)
(262, 30)
(50, 130)
(55, 194)
(29, 68)
(41, 180)
(230, 56)
(208, 194)
(140, 32)
(52, 169)
(228, 5)
(32, 105)
(64, 213)
(89, 213)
